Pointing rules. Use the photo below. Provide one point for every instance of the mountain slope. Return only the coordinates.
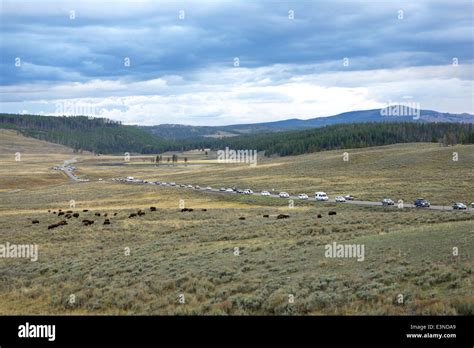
(171, 131)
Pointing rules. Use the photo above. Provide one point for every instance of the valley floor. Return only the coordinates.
(212, 261)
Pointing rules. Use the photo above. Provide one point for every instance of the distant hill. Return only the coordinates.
(82, 133)
(173, 131)
(101, 135)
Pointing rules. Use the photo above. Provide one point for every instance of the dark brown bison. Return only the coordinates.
(87, 222)
(76, 215)
(266, 215)
(152, 208)
(106, 222)
(332, 212)
(60, 223)
(283, 216)
(97, 214)
(319, 216)
(242, 218)
(35, 221)
(132, 215)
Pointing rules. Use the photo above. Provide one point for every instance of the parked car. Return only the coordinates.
(197, 187)
(189, 186)
(421, 203)
(248, 192)
(208, 188)
(387, 201)
(265, 193)
(340, 199)
(240, 191)
(284, 195)
(172, 184)
(303, 196)
(349, 197)
(222, 189)
(229, 190)
(459, 206)
(321, 196)
(472, 205)
(130, 178)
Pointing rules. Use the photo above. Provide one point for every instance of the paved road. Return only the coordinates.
(356, 202)
(69, 170)
(295, 198)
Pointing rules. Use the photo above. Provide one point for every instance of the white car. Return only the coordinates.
(209, 188)
(229, 190)
(340, 199)
(197, 187)
(190, 186)
(284, 195)
(130, 178)
(321, 196)
(172, 184)
(265, 193)
(303, 196)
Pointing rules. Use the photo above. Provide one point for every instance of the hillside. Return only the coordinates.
(81, 133)
(173, 131)
(108, 137)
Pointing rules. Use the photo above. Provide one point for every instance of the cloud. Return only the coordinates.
(182, 69)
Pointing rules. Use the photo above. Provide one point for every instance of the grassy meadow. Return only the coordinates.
(223, 264)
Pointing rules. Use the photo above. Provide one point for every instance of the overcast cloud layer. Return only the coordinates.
(182, 70)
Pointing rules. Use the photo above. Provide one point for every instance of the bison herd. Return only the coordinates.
(87, 222)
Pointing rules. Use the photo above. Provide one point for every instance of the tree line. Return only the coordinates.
(100, 135)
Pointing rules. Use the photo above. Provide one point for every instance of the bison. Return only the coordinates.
(76, 215)
(283, 216)
(132, 215)
(87, 222)
(266, 215)
(106, 222)
(242, 218)
(152, 208)
(35, 221)
(332, 212)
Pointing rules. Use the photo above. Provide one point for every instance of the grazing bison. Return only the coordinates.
(68, 216)
(115, 214)
(242, 218)
(85, 210)
(132, 215)
(319, 216)
(140, 212)
(87, 222)
(152, 208)
(266, 215)
(332, 212)
(97, 214)
(49, 210)
(283, 216)
(105, 215)
(60, 223)
(203, 209)
(35, 221)
(76, 215)
(60, 213)
(69, 212)
(186, 209)
(106, 222)
(54, 212)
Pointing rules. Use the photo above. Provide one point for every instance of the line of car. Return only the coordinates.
(318, 196)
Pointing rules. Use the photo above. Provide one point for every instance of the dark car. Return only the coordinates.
(422, 203)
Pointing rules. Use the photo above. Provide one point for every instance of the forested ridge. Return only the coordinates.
(101, 135)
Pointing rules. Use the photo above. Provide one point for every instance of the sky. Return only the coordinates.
(233, 61)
